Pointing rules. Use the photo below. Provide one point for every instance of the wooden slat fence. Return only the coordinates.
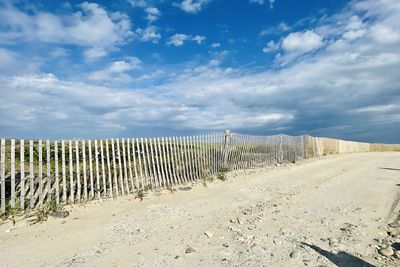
(71, 171)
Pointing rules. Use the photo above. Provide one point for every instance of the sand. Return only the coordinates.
(315, 213)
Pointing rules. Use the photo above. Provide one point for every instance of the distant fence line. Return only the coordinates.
(70, 171)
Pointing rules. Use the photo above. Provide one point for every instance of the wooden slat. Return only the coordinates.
(173, 161)
(191, 160)
(156, 166)
(201, 156)
(3, 175)
(125, 167)
(161, 148)
(84, 169)
(134, 162)
(213, 153)
(204, 151)
(22, 171)
(71, 173)
(144, 165)
(12, 152)
(110, 188)
(168, 162)
(31, 174)
(210, 154)
(78, 171)
(64, 179)
(239, 138)
(103, 170)
(186, 160)
(140, 149)
(91, 168)
(148, 163)
(182, 160)
(114, 168)
(129, 155)
(96, 157)
(179, 161)
(121, 179)
(48, 163)
(196, 156)
(175, 154)
(56, 173)
(208, 157)
(40, 173)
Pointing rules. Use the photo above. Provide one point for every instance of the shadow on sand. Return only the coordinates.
(389, 169)
(341, 259)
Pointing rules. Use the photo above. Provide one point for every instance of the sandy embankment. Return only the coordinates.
(311, 214)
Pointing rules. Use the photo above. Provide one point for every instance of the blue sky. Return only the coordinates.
(94, 69)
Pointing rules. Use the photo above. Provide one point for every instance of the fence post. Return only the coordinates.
(225, 150)
(280, 149)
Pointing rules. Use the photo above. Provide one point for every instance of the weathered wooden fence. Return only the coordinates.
(69, 171)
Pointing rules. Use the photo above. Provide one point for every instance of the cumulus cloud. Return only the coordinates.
(179, 39)
(192, 6)
(270, 47)
(91, 27)
(152, 14)
(117, 71)
(149, 34)
(302, 42)
(215, 45)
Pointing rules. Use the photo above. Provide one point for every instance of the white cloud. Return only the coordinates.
(192, 6)
(179, 39)
(198, 39)
(138, 3)
(271, 46)
(152, 14)
(116, 71)
(12, 63)
(280, 28)
(261, 2)
(149, 34)
(215, 45)
(91, 27)
(302, 42)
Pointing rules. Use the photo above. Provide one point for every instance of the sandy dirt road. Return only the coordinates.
(327, 212)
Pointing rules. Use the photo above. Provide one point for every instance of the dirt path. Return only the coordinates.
(311, 214)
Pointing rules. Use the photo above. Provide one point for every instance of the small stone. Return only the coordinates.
(232, 220)
(295, 254)
(190, 250)
(60, 214)
(241, 220)
(236, 230)
(8, 230)
(208, 234)
(177, 257)
(277, 242)
(387, 252)
(396, 254)
(225, 245)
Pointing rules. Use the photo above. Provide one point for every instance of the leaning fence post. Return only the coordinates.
(227, 142)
